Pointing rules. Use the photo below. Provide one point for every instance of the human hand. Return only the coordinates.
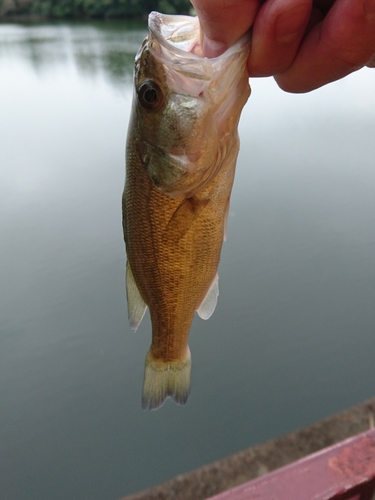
(303, 44)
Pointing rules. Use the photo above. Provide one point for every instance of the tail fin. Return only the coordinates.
(166, 379)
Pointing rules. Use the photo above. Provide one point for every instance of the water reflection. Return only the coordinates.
(292, 338)
(95, 49)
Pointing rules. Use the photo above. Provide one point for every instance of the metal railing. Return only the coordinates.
(343, 471)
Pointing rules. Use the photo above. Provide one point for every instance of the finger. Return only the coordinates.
(223, 22)
(277, 33)
(342, 43)
(323, 5)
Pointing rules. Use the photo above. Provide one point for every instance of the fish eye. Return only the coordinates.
(150, 95)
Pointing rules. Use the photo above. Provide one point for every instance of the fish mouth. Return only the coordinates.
(179, 34)
(176, 41)
(177, 44)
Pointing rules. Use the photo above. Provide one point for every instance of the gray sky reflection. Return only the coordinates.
(292, 337)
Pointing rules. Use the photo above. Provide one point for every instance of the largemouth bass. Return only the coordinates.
(181, 153)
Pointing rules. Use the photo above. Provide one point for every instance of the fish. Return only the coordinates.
(181, 151)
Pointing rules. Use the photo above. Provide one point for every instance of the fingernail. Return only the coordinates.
(291, 22)
(211, 48)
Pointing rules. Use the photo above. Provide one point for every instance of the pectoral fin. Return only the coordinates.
(183, 218)
(136, 305)
(209, 302)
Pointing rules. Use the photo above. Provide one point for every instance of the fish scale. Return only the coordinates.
(174, 212)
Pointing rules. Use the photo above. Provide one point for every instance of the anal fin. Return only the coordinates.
(136, 305)
(209, 302)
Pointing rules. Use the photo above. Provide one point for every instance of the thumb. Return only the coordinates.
(224, 22)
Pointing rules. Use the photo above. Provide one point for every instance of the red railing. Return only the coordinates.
(344, 471)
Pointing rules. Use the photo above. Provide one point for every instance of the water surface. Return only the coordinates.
(292, 338)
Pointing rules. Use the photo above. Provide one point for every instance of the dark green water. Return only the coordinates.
(293, 337)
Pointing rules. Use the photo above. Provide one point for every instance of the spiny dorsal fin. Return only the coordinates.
(183, 218)
(209, 302)
(136, 305)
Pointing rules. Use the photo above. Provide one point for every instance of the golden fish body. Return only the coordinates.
(182, 147)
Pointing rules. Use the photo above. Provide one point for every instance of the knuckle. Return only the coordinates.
(350, 56)
(349, 44)
(371, 62)
(293, 85)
